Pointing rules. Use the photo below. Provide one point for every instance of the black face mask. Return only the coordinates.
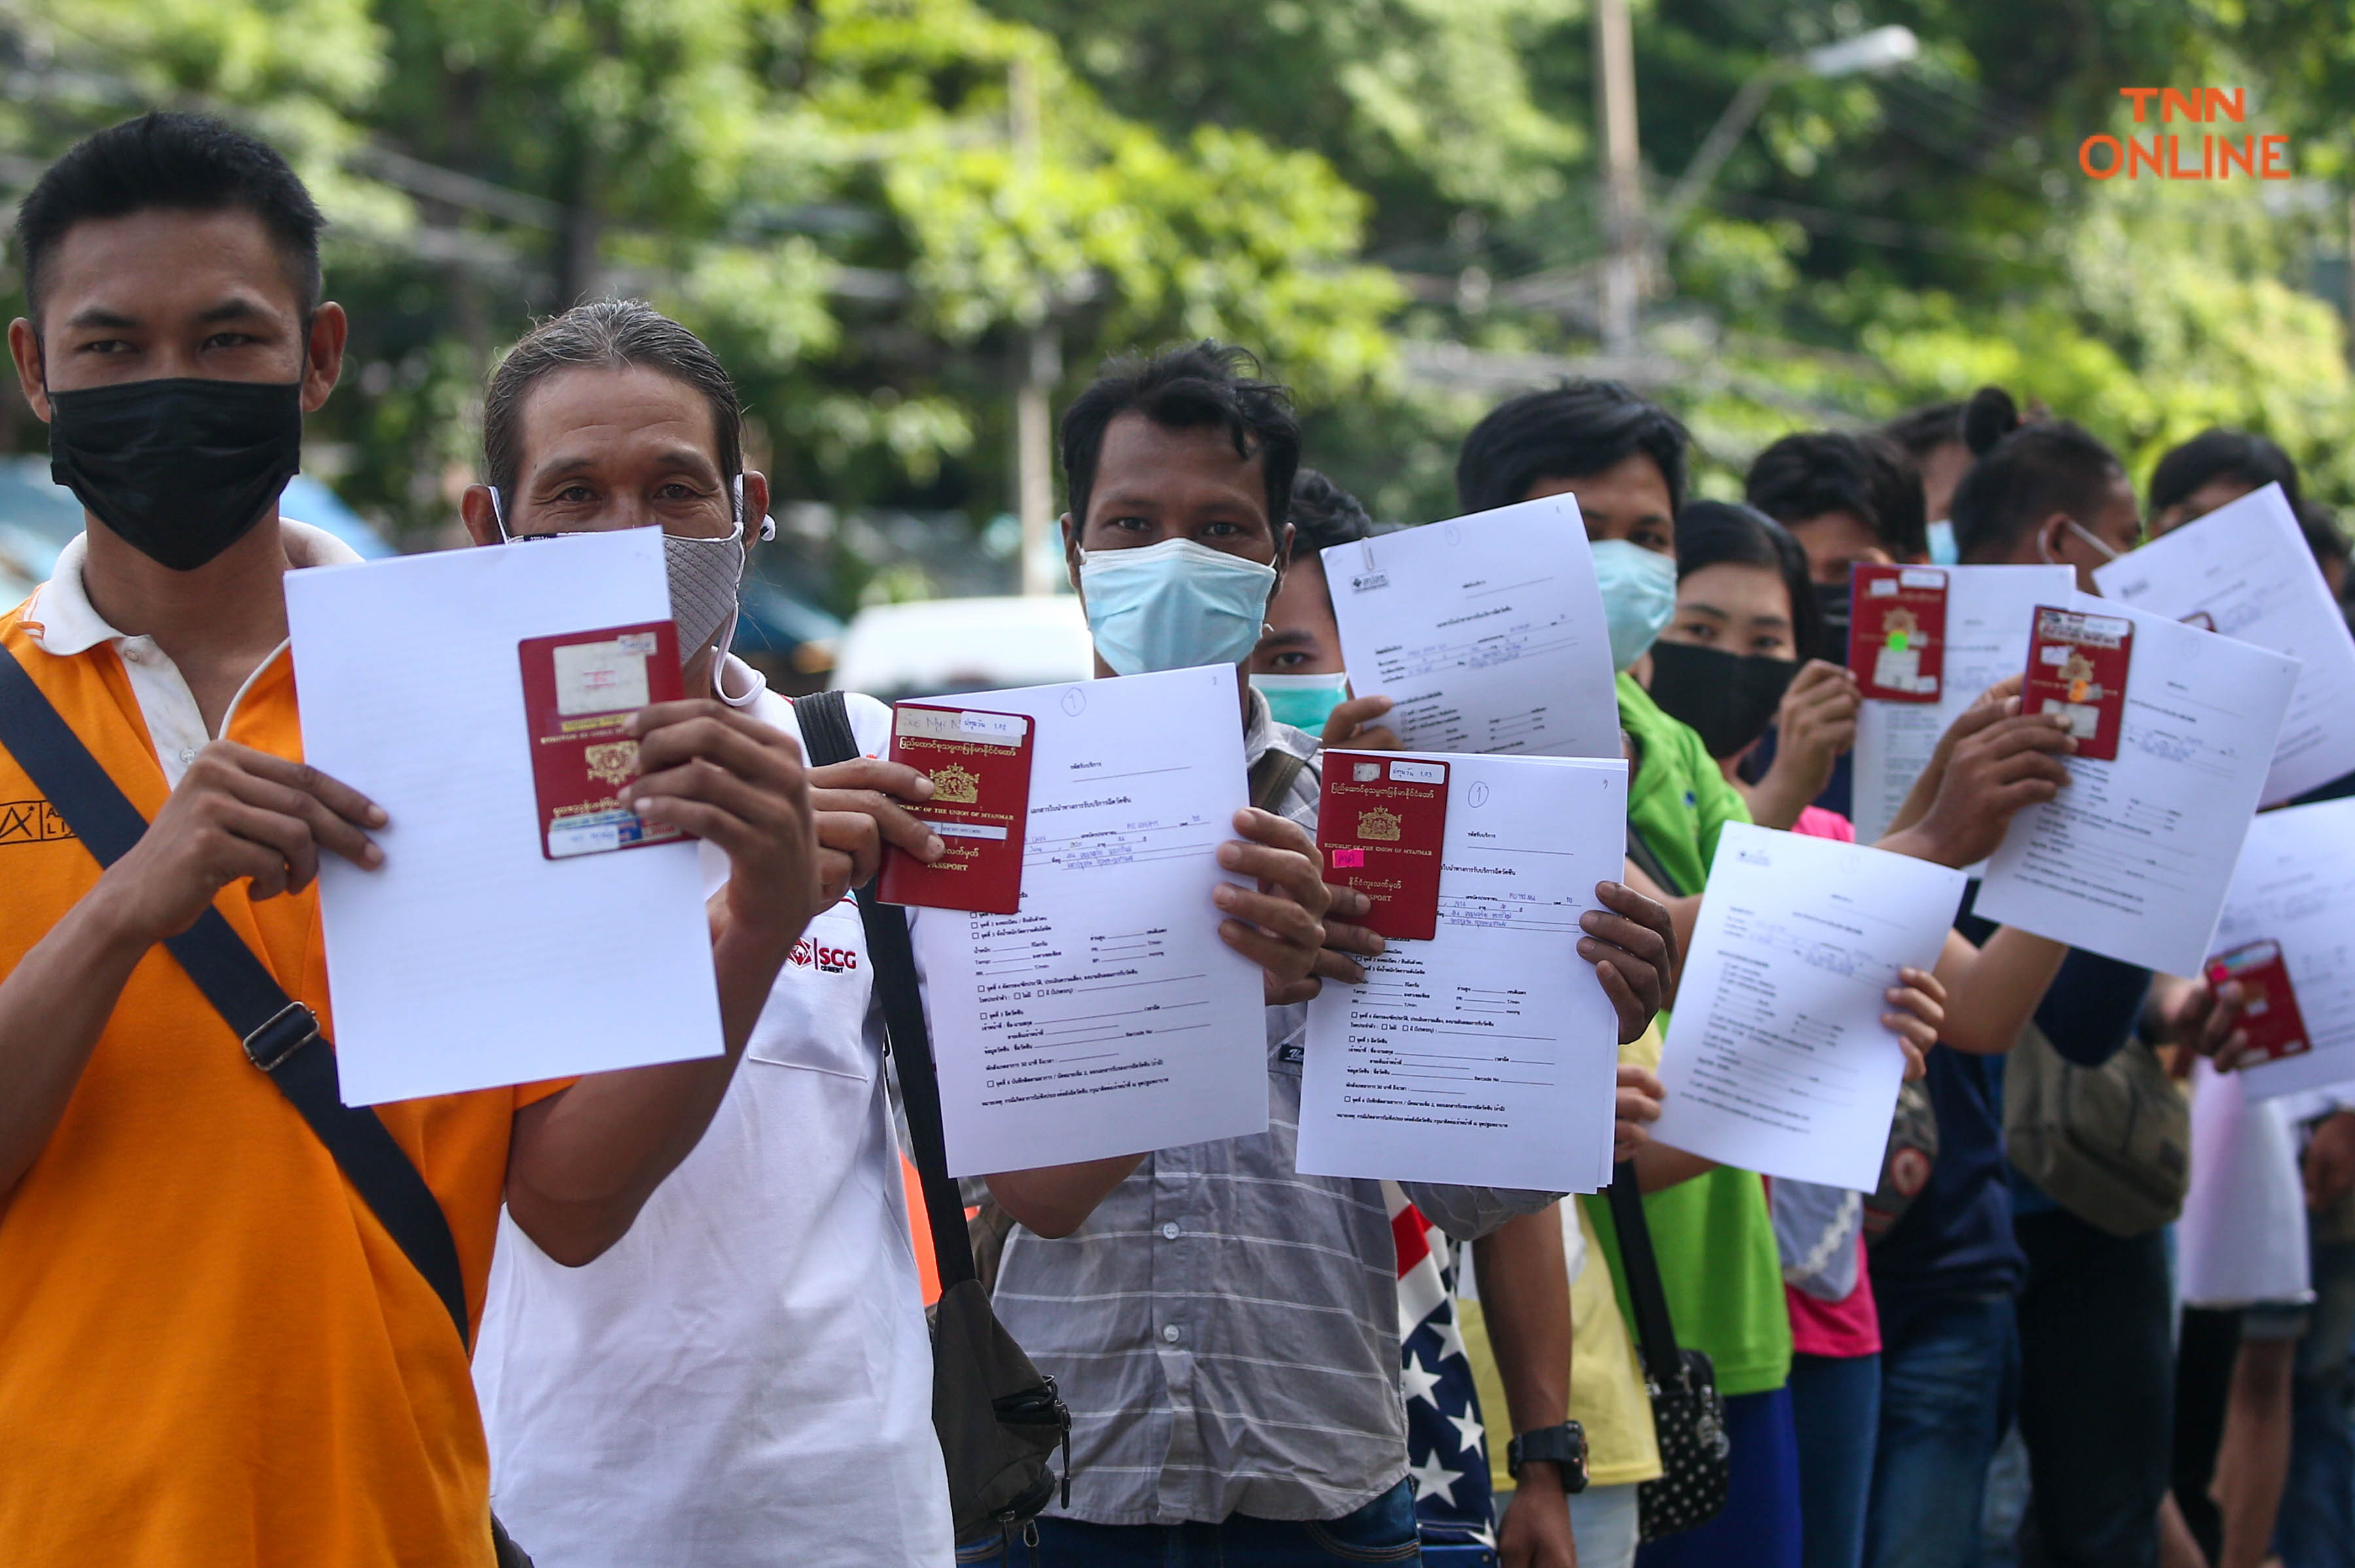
(181, 468)
(1728, 698)
(1831, 598)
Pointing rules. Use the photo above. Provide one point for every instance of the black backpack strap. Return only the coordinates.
(280, 1035)
(1656, 1336)
(827, 738)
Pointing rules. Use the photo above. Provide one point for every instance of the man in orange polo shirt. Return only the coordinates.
(211, 1351)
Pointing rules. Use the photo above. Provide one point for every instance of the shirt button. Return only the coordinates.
(1170, 1233)
(188, 753)
(1173, 1334)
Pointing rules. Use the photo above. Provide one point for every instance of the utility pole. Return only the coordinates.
(1037, 365)
(1623, 186)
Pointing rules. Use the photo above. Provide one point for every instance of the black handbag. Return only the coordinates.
(280, 1035)
(999, 1418)
(1688, 1415)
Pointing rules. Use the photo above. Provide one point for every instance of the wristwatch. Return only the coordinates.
(1563, 1448)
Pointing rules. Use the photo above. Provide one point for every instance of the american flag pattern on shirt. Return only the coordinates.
(1447, 1449)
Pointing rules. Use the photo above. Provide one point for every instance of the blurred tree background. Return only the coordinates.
(895, 217)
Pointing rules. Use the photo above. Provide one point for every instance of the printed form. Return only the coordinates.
(469, 959)
(2295, 886)
(2133, 859)
(2245, 570)
(1485, 631)
(1489, 1054)
(1989, 611)
(1777, 1059)
(1105, 1017)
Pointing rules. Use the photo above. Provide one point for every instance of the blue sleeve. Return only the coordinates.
(2091, 1006)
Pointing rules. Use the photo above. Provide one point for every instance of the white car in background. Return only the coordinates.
(933, 647)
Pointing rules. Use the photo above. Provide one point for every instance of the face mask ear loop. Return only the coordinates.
(499, 516)
(2091, 538)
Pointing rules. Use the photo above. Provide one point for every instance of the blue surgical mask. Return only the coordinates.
(1942, 544)
(1639, 595)
(1174, 605)
(1302, 701)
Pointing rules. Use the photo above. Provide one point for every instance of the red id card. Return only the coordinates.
(580, 691)
(1381, 821)
(2268, 1006)
(1897, 632)
(980, 767)
(2077, 668)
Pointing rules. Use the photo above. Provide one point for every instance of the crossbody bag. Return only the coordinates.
(281, 1036)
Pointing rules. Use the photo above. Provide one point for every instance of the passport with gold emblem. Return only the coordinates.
(579, 692)
(1381, 821)
(980, 767)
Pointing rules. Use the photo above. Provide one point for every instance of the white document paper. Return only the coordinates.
(2296, 885)
(1487, 633)
(1990, 612)
(1106, 1016)
(2242, 1239)
(1777, 1059)
(469, 960)
(1489, 1055)
(2244, 570)
(2133, 859)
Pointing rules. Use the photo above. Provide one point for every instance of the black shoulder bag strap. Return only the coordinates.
(1656, 1336)
(280, 1035)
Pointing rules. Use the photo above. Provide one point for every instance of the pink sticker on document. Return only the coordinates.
(1348, 857)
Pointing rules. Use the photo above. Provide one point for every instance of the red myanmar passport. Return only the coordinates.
(1380, 822)
(2268, 1007)
(2077, 668)
(980, 767)
(578, 693)
(1897, 630)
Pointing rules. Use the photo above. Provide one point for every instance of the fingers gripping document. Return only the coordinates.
(1777, 1059)
(1487, 632)
(470, 958)
(2133, 859)
(2295, 886)
(1489, 1054)
(1989, 612)
(1105, 1017)
(2245, 570)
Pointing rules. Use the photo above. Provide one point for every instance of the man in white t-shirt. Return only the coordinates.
(745, 1378)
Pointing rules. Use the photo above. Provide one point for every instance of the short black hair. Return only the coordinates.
(1567, 431)
(2319, 524)
(1185, 387)
(190, 163)
(603, 335)
(1721, 533)
(1324, 514)
(2025, 472)
(2222, 454)
(1923, 430)
(1814, 471)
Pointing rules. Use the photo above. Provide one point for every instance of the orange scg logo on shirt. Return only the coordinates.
(31, 822)
(829, 960)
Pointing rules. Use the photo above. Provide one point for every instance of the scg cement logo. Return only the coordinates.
(829, 960)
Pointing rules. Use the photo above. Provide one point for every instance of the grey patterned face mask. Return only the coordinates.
(705, 575)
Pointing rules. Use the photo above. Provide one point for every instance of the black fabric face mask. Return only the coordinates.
(1831, 598)
(181, 468)
(1727, 699)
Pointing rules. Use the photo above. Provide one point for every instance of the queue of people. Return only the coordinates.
(689, 1322)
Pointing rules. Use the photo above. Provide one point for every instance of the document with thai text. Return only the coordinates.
(2295, 886)
(1487, 1055)
(1485, 631)
(2132, 860)
(1777, 1059)
(2245, 570)
(1105, 1017)
(1990, 609)
(470, 959)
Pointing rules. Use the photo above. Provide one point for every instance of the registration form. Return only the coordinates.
(2244, 570)
(2132, 860)
(1485, 631)
(1104, 1016)
(1777, 1059)
(1487, 1055)
(1990, 609)
(2295, 886)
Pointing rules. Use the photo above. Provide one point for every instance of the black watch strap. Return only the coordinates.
(1563, 1446)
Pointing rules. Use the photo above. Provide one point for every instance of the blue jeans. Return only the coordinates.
(1836, 1407)
(1760, 1526)
(1381, 1531)
(2316, 1528)
(1949, 1366)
